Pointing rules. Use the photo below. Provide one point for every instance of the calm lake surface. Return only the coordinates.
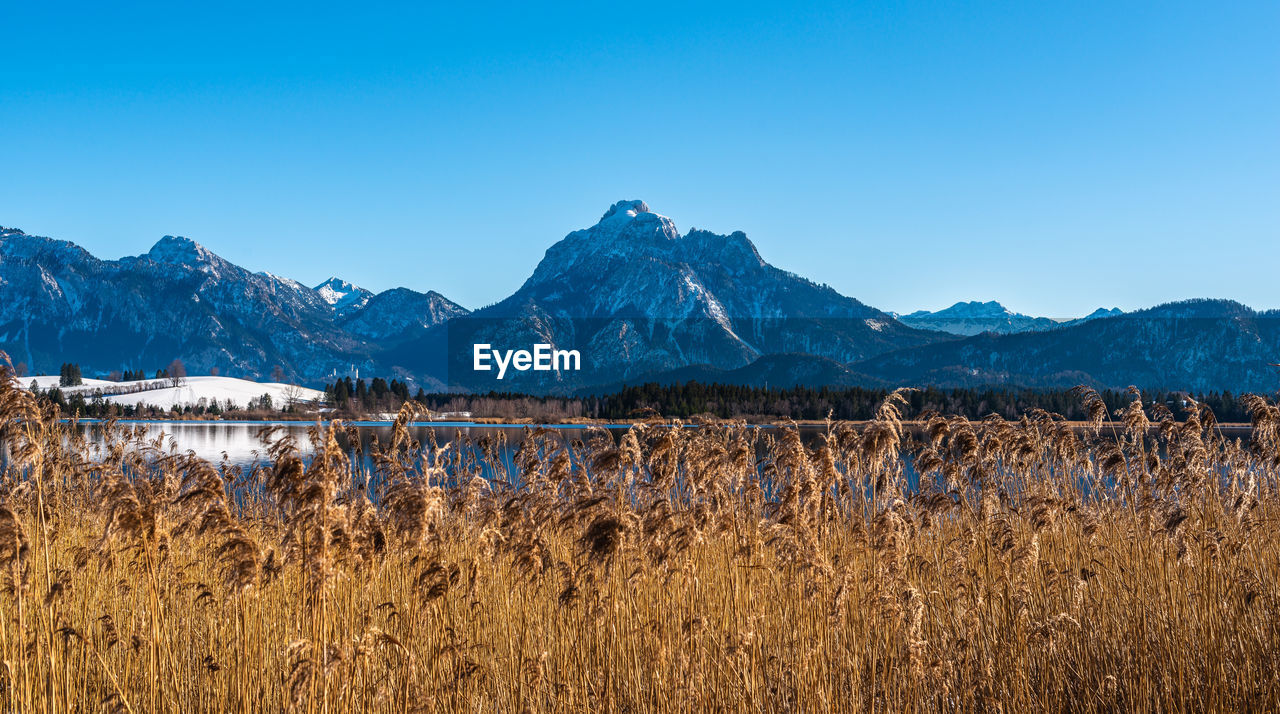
(238, 442)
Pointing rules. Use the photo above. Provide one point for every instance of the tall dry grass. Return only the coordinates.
(716, 568)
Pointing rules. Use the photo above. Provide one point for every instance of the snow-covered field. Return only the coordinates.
(46, 381)
(193, 389)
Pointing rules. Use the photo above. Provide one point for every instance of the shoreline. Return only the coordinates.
(584, 424)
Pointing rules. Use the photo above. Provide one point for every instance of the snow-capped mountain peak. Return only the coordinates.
(671, 300)
(628, 229)
(970, 309)
(180, 251)
(343, 296)
(624, 210)
(400, 311)
(633, 216)
(15, 244)
(975, 317)
(633, 220)
(334, 289)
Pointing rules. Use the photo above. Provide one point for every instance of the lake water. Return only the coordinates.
(239, 445)
(238, 442)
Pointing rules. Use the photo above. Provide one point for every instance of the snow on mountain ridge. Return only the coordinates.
(14, 244)
(399, 313)
(624, 210)
(334, 289)
(344, 297)
(975, 317)
(630, 233)
(970, 309)
(181, 251)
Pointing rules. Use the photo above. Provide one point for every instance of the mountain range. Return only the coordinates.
(974, 318)
(635, 297)
(1195, 345)
(60, 304)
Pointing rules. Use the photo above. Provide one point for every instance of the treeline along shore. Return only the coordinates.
(764, 405)
(377, 397)
(689, 400)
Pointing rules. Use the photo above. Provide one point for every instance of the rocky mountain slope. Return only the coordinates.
(58, 303)
(400, 314)
(635, 296)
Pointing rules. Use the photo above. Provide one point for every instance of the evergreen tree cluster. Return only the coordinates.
(97, 407)
(669, 400)
(760, 403)
(377, 395)
(69, 375)
(856, 403)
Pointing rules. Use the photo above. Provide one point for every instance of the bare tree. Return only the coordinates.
(292, 395)
(177, 372)
(277, 374)
(20, 369)
(214, 371)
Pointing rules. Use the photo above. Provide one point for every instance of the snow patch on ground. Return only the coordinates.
(193, 389)
(45, 381)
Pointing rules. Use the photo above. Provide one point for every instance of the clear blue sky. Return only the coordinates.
(1054, 156)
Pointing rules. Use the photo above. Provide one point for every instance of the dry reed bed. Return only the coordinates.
(712, 569)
